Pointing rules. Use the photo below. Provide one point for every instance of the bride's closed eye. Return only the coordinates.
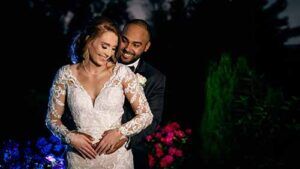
(104, 46)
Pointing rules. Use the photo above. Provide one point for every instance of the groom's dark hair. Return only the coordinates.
(141, 23)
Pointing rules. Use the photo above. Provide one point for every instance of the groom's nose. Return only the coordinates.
(128, 47)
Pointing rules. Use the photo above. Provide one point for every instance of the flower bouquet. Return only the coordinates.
(168, 146)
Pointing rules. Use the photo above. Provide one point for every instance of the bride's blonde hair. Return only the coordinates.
(96, 27)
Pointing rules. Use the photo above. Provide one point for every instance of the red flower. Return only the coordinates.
(188, 131)
(175, 125)
(178, 153)
(158, 135)
(151, 160)
(167, 146)
(179, 133)
(158, 150)
(166, 161)
(148, 138)
(172, 150)
(168, 128)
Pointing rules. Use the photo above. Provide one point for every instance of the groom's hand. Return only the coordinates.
(109, 139)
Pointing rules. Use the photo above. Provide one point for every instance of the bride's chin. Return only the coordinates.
(102, 63)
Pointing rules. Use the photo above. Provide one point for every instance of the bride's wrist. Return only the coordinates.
(69, 137)
(120, 135)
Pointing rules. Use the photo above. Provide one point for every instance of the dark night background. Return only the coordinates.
(187, 37)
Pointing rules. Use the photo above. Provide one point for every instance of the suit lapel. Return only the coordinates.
(140, 68)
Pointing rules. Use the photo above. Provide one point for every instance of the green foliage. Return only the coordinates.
(247, 123)
(220, 84)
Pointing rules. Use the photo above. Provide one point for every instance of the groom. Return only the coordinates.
(135, 40)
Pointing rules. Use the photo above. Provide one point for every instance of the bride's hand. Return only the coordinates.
(119, 144)
(109, 139)
(83, 144)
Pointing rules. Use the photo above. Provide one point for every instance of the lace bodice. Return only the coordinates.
(106, 111)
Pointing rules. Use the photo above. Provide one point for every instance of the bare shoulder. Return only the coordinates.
(74, 68)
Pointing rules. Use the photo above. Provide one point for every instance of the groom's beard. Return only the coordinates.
(135, 57)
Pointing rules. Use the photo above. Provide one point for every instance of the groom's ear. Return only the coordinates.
(147, 46)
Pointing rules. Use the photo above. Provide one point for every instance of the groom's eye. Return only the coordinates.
(124, 40)
(136, 45)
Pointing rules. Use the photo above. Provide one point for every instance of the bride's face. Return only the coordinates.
(103, 47)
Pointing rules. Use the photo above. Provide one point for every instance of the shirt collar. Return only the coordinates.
(135, 64)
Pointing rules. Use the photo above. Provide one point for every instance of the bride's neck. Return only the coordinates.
(92, 69)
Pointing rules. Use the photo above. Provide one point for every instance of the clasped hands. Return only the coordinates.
(109, 143)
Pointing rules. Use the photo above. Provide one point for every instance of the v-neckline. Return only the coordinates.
(102, 88)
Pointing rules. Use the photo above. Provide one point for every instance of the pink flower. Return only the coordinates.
(159, 151)
(172, 150)
(166, 161)
(166, 141)
(157, 145)
(168, 128)
(158, 135)
(179, 133)
(179, 153)
(170, 135)
(148, 138)
(168, 145)
(151, 160)
(175, 125)
(188, 131)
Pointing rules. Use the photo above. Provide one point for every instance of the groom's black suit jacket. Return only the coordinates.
(154, 91)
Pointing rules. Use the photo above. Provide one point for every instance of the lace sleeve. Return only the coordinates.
(135, 94)
(56, 107)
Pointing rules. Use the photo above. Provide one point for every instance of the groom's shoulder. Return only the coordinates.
(153, 71)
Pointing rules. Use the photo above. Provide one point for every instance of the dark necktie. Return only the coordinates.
(132, 68)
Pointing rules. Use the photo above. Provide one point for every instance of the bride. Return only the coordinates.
(95, 88)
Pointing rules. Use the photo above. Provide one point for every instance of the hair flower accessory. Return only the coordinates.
(141, 79)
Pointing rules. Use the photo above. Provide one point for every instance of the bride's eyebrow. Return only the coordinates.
(105, 43)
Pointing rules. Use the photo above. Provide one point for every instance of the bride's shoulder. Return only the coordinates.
(65, 69)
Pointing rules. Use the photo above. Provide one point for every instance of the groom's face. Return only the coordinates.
(134, 42)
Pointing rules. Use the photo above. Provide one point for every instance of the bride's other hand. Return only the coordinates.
(109, 139)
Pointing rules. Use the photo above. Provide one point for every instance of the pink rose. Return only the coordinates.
(148, 138)
(179, 133)
(167, 141)
(151, 160)
(166, 161)
(172, 150)
(158, 135)
(178, 153)
(168, 129)
(159, 151)
(188, 131)
(175, 125)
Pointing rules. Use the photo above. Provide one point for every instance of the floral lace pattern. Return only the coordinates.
(95, 118)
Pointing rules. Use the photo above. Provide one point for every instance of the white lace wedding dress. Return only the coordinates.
(95, 118)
